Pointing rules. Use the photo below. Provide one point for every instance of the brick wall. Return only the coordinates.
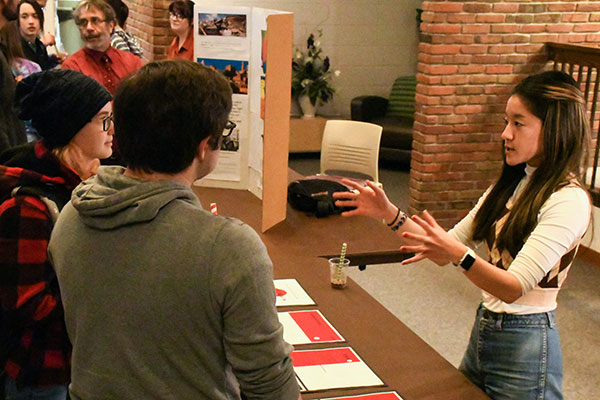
(470, 56)
(149, 22)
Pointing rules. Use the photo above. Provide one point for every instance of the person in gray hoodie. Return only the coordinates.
(163, 299)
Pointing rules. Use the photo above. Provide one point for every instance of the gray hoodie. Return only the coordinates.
(163, 299)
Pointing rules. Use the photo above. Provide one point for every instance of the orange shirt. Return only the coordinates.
(107, 67)
(186, 51)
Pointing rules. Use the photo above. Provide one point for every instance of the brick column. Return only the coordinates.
(471, 55)
(149, 22)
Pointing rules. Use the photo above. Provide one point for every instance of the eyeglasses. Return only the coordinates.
(175, 15)
(229, 127)
(82, 22)
(107, 122)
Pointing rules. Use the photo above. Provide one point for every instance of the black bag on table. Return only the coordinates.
(314, 196)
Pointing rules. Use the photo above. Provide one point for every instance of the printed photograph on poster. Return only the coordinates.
(222, 25)
(229, 166)
(263, 72)
(231, 142)
(235, 71)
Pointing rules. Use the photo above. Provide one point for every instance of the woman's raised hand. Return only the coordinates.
(421, 235)
(369, 200)
(434, 243)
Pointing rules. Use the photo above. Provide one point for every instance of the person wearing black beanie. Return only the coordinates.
(59, 103)
(73, 116)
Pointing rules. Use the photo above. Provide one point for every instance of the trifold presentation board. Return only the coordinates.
(252, 48)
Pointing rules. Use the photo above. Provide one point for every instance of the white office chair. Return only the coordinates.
(351, 146)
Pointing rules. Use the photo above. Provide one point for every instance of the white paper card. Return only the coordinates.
(370, 396)
(333, 368)
(306, 327)
(290, 293)
(301, 386)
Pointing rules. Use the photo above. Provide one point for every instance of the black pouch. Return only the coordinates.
(314, 196)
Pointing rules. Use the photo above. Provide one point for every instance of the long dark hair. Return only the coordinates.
(555, 98)
(11, 42)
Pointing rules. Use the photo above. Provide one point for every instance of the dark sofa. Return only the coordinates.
(396, 115)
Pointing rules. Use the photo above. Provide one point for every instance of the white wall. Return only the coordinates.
(371, 42)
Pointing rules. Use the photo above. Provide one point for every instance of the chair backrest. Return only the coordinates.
(351, 146)
(402, 97)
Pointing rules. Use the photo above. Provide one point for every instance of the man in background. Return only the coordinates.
(188, 311)
(98, 59)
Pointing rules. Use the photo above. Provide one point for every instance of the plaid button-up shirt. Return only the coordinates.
(38, 349)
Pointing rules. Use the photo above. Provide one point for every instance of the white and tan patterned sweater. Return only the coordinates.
(542, 263)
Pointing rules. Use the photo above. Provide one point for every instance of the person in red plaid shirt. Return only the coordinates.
(72, 114)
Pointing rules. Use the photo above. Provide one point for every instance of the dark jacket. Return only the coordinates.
(37, 53)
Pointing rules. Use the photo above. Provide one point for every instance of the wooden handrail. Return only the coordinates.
(573, 54)
(583, 64)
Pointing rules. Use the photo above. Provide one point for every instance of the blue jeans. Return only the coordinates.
(515, 357)
(11, 392)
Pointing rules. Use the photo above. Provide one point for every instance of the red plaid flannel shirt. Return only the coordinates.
(29, 292)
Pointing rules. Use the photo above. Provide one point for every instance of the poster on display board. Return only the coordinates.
(233, 41)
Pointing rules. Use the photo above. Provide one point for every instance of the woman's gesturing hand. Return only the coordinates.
(435, 243)
(369, 200)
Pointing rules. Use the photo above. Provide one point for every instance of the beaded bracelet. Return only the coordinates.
(400, 222)
(395, 219)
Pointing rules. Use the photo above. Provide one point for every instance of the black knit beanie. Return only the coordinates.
(59, 103)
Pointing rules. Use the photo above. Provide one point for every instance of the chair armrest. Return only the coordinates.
(365, 108)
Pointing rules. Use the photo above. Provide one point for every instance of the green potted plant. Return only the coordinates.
(311, 76)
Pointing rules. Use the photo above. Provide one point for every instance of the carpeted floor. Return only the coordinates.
(439, 303)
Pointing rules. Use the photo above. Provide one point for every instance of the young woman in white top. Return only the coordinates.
(530, 222)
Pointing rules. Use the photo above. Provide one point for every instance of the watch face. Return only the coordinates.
(467, 262)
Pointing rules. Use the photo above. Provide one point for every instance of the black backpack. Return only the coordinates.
(314, 196)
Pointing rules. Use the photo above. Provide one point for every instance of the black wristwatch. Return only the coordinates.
(467, 260)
